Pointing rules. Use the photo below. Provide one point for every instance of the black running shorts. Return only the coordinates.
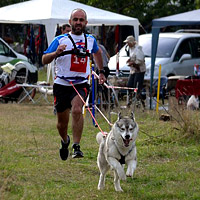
(63, 95)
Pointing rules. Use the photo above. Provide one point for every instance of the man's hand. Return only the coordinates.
(60, 49)
(102, 78)
(49, 57)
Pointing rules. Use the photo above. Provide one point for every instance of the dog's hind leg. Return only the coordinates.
(117, 182)
(103, 170)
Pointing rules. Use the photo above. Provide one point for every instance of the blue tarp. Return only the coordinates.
(186, 18)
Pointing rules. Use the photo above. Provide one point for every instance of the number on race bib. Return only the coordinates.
(78, 64)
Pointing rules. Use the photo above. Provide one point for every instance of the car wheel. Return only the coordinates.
(21, 77)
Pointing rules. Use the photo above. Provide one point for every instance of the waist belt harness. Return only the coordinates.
(81, 53)
(75, 79)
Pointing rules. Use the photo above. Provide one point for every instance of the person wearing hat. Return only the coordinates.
(136, 62)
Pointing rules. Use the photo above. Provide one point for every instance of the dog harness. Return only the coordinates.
(122, 159)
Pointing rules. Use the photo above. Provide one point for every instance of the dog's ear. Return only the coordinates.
(119, 116)
(132, 116)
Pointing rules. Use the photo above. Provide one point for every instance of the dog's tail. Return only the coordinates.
(99, 138)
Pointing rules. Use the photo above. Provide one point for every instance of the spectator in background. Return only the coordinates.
(66, 28)
(136, 62)
(58, 30)
(105, 56)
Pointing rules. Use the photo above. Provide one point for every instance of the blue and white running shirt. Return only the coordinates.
(70, 65)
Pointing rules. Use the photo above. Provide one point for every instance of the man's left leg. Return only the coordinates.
(77, 125)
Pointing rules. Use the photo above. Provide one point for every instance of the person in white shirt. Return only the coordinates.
(136, 62)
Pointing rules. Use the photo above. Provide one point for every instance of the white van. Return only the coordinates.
(20, 62)
(177, 53)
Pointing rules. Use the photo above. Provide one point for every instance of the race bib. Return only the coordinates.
(78, 64)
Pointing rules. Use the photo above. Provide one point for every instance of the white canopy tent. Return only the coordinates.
(53, 12)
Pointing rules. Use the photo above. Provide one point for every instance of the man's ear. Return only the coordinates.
(70, 21)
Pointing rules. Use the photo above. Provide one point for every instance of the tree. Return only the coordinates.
(144, 10)
(9, 2)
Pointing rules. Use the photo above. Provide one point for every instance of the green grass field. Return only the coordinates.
(30, 167)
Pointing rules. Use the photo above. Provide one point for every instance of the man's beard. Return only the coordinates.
(78, 29)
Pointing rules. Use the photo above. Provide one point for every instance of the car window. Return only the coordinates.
(184, 48)
(196, 47)
(164, 49)
(5, 51)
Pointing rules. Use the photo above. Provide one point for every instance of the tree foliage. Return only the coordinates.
(9, 2)
(144, 10)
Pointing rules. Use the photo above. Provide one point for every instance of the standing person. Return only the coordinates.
(66, 28)
(71, 53)
(105, 56)
(136, 62)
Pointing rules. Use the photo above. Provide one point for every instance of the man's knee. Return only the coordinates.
(77, 110)
(61, 126)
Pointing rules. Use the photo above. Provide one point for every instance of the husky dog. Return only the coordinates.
(116, 149)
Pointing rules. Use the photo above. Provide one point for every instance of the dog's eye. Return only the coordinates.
(123, 129)
(130, 129)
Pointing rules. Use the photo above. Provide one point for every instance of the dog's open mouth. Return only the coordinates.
(126, 141)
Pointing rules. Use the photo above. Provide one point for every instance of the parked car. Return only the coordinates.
(20, 62)
(177, 53)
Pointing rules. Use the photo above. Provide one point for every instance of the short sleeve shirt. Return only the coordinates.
(70, 65)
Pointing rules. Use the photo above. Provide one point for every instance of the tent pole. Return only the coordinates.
(154, 45)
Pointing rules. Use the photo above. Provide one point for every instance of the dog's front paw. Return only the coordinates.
(122, 176)
(129, 175)
(101, 186)
(119, 189)
(131, 169)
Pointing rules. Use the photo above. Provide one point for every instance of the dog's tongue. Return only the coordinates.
(126, 142)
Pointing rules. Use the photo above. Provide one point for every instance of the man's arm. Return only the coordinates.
(49, 57)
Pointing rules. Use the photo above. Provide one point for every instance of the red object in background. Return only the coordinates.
(38, 40)
(187, 87)
(117, 38)
(8, 89)
(27, 40)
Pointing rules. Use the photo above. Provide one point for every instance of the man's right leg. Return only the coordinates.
(62, 126)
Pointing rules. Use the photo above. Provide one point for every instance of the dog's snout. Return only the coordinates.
(127, 137)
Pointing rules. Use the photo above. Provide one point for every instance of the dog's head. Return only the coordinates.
(125, 129)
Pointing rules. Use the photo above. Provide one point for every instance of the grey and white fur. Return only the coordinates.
(116, 149)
